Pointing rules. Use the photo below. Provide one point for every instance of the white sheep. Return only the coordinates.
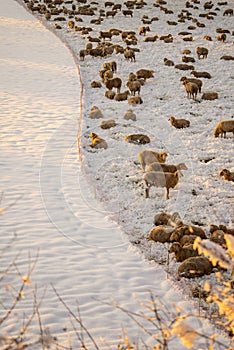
(223, 127)
(147, 157)
(168, 168)
(160, 179)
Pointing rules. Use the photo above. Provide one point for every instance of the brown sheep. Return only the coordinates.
(228, 12)
(129, 115)
(210, 96)
(127, 13)
(95, 113)
(144, 73)
(218, 237)
(160, 234)
(184, 66)
(139, 139)
(196, 266)
(150, 38)
(161, 219)
(168, 168)
(191, 89)
(201, 74)
(110, 94)
(105, 35)
(107, 124)
(223, 127)
(187, 59)
(227, 58)
(222, 37)
(147, 157)
(82, 54)
(135, 100)
(129, 54)
(202, 52)
(122, 96)
(182, 253)
(168, 63)
(97, 142)
(143, 30)
(96, 84)
(179, 123)
(183, 230)
(160, 179)
(193, 80)
(187, 239)
(113, 83)
(227, 174)
(134, 86)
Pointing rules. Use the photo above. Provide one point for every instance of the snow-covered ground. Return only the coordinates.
(83, 252)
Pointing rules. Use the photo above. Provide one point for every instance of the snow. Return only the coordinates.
(90, 220)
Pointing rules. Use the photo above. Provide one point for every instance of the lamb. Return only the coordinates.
(129, 115)
(122, 96)
(96, 84)
(179, 123)
(182, 253)
(193, 80)
(202, 52)
(187, 239)
(223, 127)
(209, 96)
(191, 89)
(227, 174)
(168, 63)
(135, 100)
(160, 234)
(97, 142)
(167, 168)
(167, 219)
(201, 74)
(143, 30)
(222, 37)
(107, 124)
(147, 157)
(144, 73)
(113, 83)
(139, 139)
(196, 266)
(160, 179)
(187, 59)
(134, 86)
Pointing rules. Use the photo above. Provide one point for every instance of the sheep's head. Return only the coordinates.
(92, 135)
(224, 172)
(174, 248)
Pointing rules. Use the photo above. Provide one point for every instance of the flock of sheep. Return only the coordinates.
(122, 44)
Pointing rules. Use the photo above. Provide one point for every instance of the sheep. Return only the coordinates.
(129, 54)
(179, 123)
(202, 52)
(182, 253)
(188, 59)
(105, 35)
(223, 127)
(201, 74)
(134, 86)
(107, 124)
(144, 73)
(95, 113)
(167, 168)
(187, 239)
(167, 219)
(168, 63)
(143, 30)
(110, 94)
(227, 58)
(160, 234)
(111, 13)
(150, 38)
(108, 74)
(139, 139)
(207, 37)
(82, 54)
(227, 174)
(97, 142)
(193, 80)
(228, 12)
(96, 84)
(135, 100)
(195, 266)
(127, 13)
(129, 115)
(224, 228)
(113, 83)
(218, 237)
(183, 230)
(160, 179)
(122, 96)
(222, 37)
(184, 66)
(147, 157)
(209, 96)
(191, 89)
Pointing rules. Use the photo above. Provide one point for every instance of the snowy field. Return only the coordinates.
(90, 221)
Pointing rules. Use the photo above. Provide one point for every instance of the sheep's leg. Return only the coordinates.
(167, 193)
(147, 192)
